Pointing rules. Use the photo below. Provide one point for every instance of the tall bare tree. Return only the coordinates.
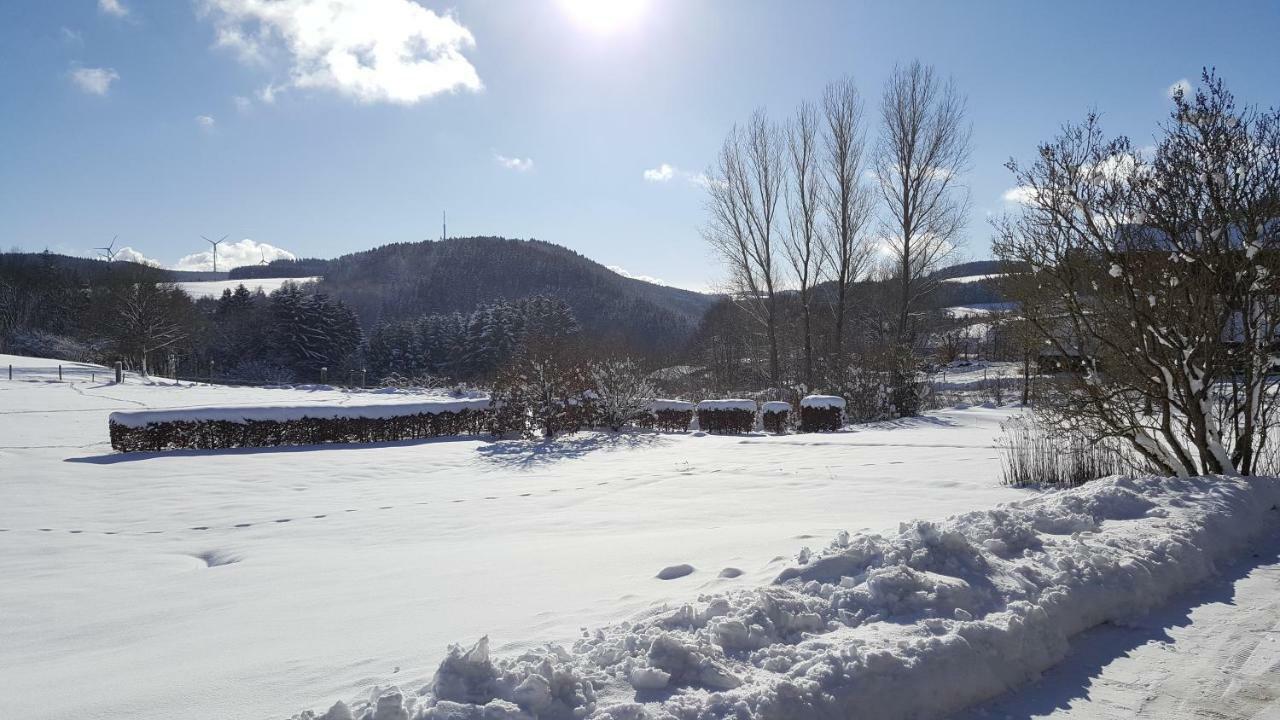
(150, 318)
(922, 152)
(802, 243)
(745, 186)
(846, 200)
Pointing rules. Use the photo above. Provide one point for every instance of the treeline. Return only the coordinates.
(471, 346)
(281, 268)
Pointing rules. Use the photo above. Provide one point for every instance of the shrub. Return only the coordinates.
(821, 413)
(622, 393)
(724, 417)
(774, 416)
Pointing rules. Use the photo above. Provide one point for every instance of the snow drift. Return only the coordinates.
(916, 625)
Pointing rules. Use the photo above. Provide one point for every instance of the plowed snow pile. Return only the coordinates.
(916, 625)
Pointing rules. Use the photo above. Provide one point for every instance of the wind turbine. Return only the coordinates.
(109, 252)
(264, 257)
(215, 243)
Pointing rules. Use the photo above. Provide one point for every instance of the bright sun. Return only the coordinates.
(604, 16)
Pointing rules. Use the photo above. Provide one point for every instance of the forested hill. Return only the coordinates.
(407, 280)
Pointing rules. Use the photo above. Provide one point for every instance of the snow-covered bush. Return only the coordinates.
(821, 413)
(671, 415)
(774, 416)
(546, 390)
(727, 416)
(232, 427)
(622, 392)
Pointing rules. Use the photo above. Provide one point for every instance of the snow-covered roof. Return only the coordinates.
(662, 404)
(283, 413)
(822, 401)
(730, 404)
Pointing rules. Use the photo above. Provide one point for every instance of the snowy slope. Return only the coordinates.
(257, 583)
(214, 288)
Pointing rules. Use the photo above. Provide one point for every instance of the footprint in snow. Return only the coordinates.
(675, 571)
(730, 572)
(216, 558)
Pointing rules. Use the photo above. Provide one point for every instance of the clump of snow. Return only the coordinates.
(918, 624)
(776, 406)
(285, 413)
(822, 401)
(730, 404)
(678, 405)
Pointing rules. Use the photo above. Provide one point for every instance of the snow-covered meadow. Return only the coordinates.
(258, 583)
(214, 288)
(261, 583)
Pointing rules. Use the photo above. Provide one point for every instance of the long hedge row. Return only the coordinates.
(228, 427)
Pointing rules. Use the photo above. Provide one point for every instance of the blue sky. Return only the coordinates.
(166, 120)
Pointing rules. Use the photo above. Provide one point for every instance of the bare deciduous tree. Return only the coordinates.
(1159, 281)
(803, 246)
(744, 188)
(847, 202)
(922, 151)
(150, 319)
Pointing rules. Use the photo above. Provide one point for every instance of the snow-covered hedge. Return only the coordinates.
(231, 427)
(671, 415)
(773, 416)
(727, 416)
(821, 413)
(919, 624)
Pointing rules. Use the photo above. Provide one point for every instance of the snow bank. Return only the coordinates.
(732, 404)
(285, 413)
(776, 406)
(915, 625)
(822, 401)
(676, 405)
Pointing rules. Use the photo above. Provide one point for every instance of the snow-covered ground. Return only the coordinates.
(258, 583)
(214, 288)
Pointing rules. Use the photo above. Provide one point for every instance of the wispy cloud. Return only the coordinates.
(513, 163)
(113, 7)
(242, 103)
(234, 254)
(73, 37)
(95, 81)
(206, 122)
(1021, 195)
(393, 51)
(1183, 85)
(662, 173)
(667, 172)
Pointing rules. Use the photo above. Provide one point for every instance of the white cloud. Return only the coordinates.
(128, 254)
(650, 279)
(1184, 85)
(371, 50)
(514, 163)
(267, 93)
(243, 104)
(113, 7)
(1021, 195)
(662, 173)
(71, 36)
(667, 172)
(95, 81)
(234, 254)
(206, 122)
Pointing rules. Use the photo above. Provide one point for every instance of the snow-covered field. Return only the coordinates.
(214, 288)
(259, 583)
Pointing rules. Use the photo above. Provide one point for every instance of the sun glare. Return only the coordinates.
(603, 16)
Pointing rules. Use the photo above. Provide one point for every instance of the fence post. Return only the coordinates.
(10, 372)
(362, 378)
(211, 372)
(59, 373)
(119, 372)
(324, 376)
